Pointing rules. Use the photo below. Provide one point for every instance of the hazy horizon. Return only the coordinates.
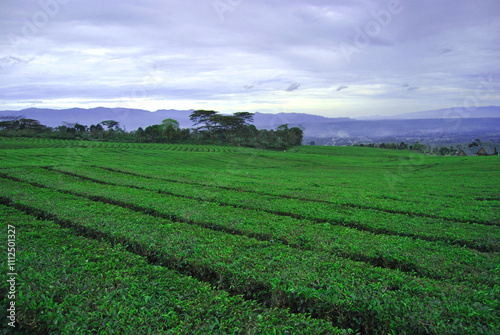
(340, 59)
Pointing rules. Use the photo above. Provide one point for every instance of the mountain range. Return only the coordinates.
(446, 113)
(483, 121)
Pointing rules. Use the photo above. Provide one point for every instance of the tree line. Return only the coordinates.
(211, 127)
(429, 149)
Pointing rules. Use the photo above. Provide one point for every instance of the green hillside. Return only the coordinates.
(128, 238)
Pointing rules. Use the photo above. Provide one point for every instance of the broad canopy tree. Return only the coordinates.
(206, 117)
(212, 120)
(237, 129)
(111, 124)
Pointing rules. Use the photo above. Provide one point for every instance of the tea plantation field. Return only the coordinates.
(129, 238)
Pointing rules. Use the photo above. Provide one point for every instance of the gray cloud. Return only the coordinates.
(10, 61)
(341, 87)
(293, 87)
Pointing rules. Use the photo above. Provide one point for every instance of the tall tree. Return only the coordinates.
(206, 117)
(295, 136)
(80, 128)
(111, 124)
(170, 129)
(170, 123)
(10, 122)
(153, 133)
(246, 117)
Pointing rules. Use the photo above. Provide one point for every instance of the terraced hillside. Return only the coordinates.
(124, 238)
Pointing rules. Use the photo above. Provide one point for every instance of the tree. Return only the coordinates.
(419, 147)
(10, 122)
(444, 151)
(111, 124)
(170, 123)
(245, 117)
(282, 133)
(203, 116)
(96, 128)
(228, 123)
(295, 136)
(22, 126)
(139, 133)
(80, 128)
(170, 129)
(153, 133)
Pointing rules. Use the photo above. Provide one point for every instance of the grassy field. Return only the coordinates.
(121, 238)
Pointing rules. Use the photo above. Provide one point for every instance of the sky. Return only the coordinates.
(333, 58)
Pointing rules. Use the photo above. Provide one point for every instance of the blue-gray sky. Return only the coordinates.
(332, 58)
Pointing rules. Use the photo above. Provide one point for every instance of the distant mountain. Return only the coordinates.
(371, 130)
(482, 122)
(272, 121)
(130, 119)
(446, 113)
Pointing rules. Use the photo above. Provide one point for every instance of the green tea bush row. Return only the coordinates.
(470, 234)
(368, 189)
(69, 284)
(351, 294)
(425, 258)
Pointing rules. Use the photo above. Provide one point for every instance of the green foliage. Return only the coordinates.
(369, 239)
(215, 129)
(111, 124)
(69, 284)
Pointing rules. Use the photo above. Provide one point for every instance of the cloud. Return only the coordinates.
(11, 61)
(180, 54)
(293, 87)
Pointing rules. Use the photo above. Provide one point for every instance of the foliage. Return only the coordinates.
(70, 284)
(373, 240)
(215, 129)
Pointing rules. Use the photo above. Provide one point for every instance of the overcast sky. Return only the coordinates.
(332, 58)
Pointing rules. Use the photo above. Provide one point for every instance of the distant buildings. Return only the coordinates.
(484, 150)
